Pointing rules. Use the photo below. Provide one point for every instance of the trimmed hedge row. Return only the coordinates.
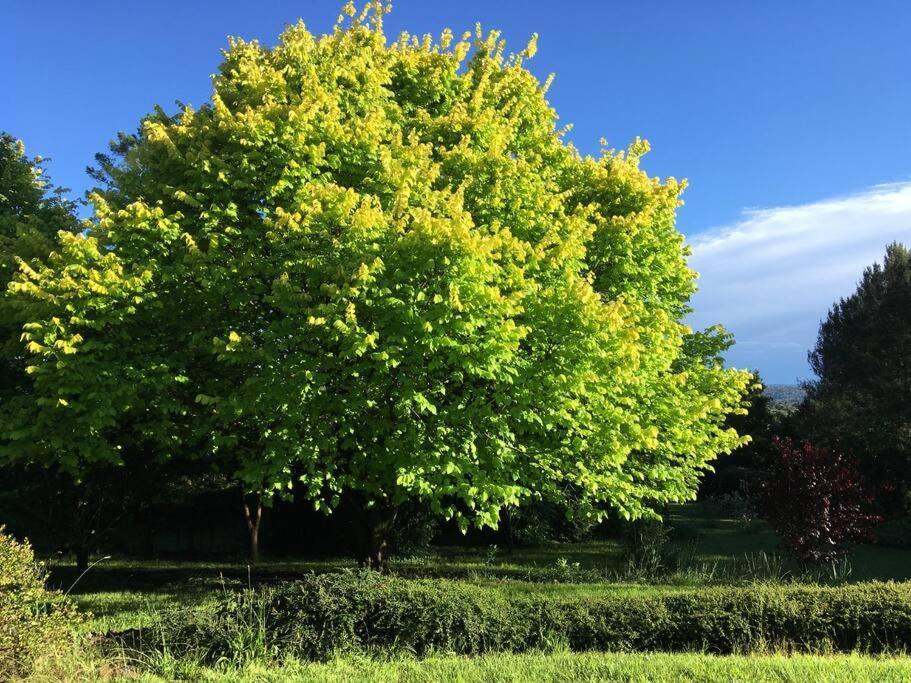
(364, 612)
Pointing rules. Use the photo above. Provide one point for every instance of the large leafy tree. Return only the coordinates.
(861, 399)
(378, 270)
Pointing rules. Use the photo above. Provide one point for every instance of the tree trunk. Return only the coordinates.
(82, 558)
(378, 525)
(510, 532)
(253, 513)
(81, 526)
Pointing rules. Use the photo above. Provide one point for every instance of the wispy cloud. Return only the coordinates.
(771, 277)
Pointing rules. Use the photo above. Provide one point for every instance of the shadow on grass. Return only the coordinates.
(711, 539)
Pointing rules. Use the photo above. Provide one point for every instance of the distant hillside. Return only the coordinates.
(785, 393)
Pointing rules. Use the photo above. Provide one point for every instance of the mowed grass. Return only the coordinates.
(531, 667)
(597, 667)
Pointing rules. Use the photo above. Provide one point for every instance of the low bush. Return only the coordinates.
(367, 613)
(738, 505)
(540, 522)
(648, 553)
(34, 622)
(563, 571)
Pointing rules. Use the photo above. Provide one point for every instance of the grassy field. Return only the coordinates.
(710, 552)
(518, 668)
(124, 593)
(593, 667)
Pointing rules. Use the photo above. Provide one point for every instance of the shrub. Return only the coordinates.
(738, 505)
(648, 552)
(644, 549)
(817, 501)
(33, 620)
(537, 523)
(365, 613)
(563, 571)
(414, 529)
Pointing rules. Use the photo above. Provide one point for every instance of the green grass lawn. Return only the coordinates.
(599, 667)
(723, 542)
(123, 593)
(519, 669)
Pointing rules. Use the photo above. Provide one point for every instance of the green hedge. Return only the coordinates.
(361, 612)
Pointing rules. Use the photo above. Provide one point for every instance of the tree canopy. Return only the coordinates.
(861, 399)
(379, 267)
(32, 211)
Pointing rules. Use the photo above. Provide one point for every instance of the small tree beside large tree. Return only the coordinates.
(817, 501)
(32, 213)
(379, 271)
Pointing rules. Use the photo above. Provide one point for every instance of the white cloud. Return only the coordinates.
(772, 277)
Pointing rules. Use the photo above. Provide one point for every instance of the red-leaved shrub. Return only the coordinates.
(817, 501)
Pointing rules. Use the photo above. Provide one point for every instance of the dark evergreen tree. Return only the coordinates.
(861, 399)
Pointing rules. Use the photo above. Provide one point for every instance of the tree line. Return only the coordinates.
(829, 469)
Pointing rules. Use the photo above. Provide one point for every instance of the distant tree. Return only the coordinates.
(817, 501)
(759, 421)
(785, 396)
(861, 398)
(379, 271)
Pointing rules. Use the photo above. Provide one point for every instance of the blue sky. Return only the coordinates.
(790, 119)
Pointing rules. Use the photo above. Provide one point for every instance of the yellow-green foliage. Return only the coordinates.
(32, 211)
(34, 622)
(378, 266)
